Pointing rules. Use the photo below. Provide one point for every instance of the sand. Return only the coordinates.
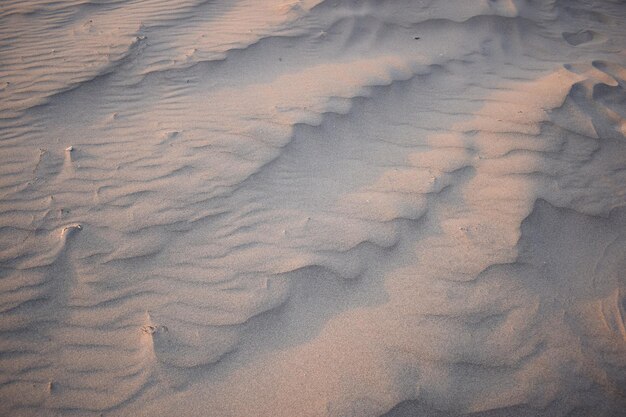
(240, 208)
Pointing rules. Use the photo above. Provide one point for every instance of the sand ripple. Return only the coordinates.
(342, 208)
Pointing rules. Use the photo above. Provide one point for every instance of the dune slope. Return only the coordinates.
(312, 208)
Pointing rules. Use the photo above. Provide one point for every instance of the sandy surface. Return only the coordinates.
(240, 208)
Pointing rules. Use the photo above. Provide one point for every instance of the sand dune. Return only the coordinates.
(312, 208)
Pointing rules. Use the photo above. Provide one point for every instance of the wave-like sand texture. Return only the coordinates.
(312, 208)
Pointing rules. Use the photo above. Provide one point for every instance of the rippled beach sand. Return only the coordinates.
(276, 208)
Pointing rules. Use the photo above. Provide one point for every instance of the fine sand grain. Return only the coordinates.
(280, 208)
